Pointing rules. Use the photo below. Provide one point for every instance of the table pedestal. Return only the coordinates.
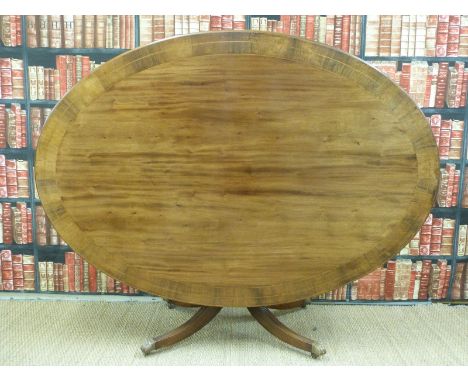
(262, 314)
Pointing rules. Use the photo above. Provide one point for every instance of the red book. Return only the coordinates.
(346, 25)
(125, 289)
(92, 274)
(310, 21)
(390, 280)
(110, 285)
(375, 285)
(427, 92)
(412, 281)
(226, 22)
(3, 129)
(81, 265)
(7, 224)
(442, 36)
(216, 23)
(61, 64)
(425, 278)
(7, 269)
(453, 37)
(70, 262)
(460, 68)
(442, 264)
(286, 21)
(338, 35)
(298, 26)
(448, 273)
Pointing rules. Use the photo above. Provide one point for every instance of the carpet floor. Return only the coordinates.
(110, 333)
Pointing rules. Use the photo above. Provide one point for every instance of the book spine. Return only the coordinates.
(78, 31)
(456, 288)
(463, 39)
(442, 35)
(31, 31)
(441, 84)
(100, 31)
(55, 31)
(425, 279)
(28, 272)
(238, 22)
(330, 31)
(43, 31)
(227, 22)
(405, 30)
(110, 33)
(70, 263)
(6, 78)
(431, 35)
(385, 35)
(390, 280)
(453, 38)
(42, 276)
(88, 31)
(263, 23)
(147, 23)
(116, 31)
(128, 32)
(420, 38)
(50, 276)
(395, 39)
(345, 33)
(412, 35)
(285, 21)
(7, 270)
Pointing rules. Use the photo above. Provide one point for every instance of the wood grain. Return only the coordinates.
(236, 168)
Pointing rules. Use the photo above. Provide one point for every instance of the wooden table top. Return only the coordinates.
(236, 168)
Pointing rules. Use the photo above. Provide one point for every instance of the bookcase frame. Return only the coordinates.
(56, 253)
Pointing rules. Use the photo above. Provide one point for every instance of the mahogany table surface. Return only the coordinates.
(236, 168)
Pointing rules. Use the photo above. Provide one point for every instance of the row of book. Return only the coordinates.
(437, 85)
(11, 78)
(404, 280)
(14, 178)
(17, 271)
(45, 232)
(417, 35)
(447, 194)
(158, 27)
(77, 275)
(12, 127)
(434, 238)
(448, 135)
(340, 31)
(80, 31)
(54, 83)
(338, 294)
(10, 30)
(15, 223)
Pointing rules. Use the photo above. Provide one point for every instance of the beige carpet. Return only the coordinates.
(110, 333)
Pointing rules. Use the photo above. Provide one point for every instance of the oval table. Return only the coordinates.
(240, 169)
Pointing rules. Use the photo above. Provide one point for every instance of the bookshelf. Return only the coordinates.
(46, 57)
